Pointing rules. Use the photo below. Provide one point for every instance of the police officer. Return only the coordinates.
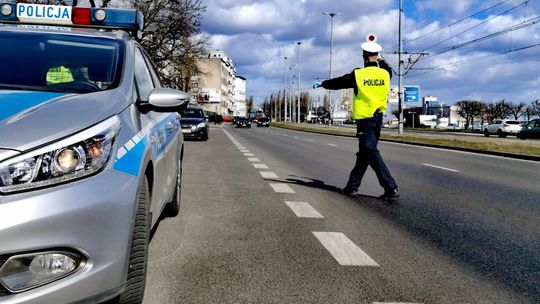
(371, 85)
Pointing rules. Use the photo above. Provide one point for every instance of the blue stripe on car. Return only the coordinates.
(129, 156)
(14, 102)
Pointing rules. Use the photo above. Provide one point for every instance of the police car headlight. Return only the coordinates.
(201, 125)
(72, 158)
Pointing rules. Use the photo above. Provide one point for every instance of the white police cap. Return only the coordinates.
(371, 45)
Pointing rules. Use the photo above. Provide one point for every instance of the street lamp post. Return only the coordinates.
(332, 15)
(285, 89)
(298, 82)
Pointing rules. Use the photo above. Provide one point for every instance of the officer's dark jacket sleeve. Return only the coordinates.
(347, 81)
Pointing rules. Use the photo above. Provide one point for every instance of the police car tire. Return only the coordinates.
(173, 207)
(138, 256)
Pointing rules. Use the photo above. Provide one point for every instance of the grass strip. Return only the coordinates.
(474, 144)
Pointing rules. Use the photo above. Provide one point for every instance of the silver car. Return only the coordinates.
(90, 155)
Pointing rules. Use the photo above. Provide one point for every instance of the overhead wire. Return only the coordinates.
(455, 22)
(477, 25)
(470, 60)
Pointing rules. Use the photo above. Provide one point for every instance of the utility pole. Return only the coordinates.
(298, 80)
(400, 69)
(332, 15)
(285, 90)
(400, 75)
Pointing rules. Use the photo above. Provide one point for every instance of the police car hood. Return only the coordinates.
(191, 121)
(30, 119)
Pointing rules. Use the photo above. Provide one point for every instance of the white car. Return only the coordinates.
(503, 127)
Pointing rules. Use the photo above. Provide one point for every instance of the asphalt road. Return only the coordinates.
(465, 230)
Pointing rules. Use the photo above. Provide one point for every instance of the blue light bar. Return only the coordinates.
(130, 19)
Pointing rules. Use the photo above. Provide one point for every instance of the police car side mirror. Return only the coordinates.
(163, 98)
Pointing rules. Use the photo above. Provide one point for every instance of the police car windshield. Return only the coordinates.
(58, 63)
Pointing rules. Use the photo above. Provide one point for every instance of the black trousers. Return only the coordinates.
(368, 133)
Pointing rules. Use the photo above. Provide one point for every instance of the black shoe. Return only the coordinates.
(390, 195)
(349, 191)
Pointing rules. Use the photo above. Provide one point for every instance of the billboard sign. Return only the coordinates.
(411, 94)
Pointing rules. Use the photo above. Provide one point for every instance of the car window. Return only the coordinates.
(143, 78)
(60, 63)
(153, 73)
(497, 122)
(513, 122)
(537, 124)
(192, 113)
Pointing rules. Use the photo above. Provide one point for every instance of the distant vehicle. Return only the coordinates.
(263, 122)
(234, 119)
(243, 122)
(228, 119)
(503, 127)
(194, 123)
(530, 130)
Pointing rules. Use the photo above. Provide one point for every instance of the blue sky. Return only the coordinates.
(257, 34)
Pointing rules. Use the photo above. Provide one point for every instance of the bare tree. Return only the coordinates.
(498, 110)
(516, 109)
(535, 105)
(469, 109)
(171, 36)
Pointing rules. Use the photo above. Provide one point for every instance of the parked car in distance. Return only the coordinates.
(263, 122)
(243, 122)
(194, 123)
(228, 119)
(503, 127)
(530, 130)
(234, 120)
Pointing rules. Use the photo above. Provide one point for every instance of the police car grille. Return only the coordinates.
(3, 291)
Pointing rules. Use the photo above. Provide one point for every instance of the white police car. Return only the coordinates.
(90, 154)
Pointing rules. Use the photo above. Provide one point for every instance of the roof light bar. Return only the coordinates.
(24, 13)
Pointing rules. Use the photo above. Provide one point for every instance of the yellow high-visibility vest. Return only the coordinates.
(373, 85)
(59, 74)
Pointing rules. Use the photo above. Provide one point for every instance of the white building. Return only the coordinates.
(213, 88)
(239, 106)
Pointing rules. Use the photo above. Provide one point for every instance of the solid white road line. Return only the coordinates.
(344, 250)
(249, 154)
(254, 159)
(281, 188)
(268, 174)
(303, 209)
(260, 166)
(442, 168)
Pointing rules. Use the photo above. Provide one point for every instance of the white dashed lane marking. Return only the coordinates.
(332, 145)
(442, 168)
(395, 303)
(303, 209)
(254, 159)
(268, 174)
(249, 154)
(281, 188)
(244, 151)
(344, 250)
(260, 166)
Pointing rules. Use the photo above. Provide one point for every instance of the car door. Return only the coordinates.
(164, 137)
